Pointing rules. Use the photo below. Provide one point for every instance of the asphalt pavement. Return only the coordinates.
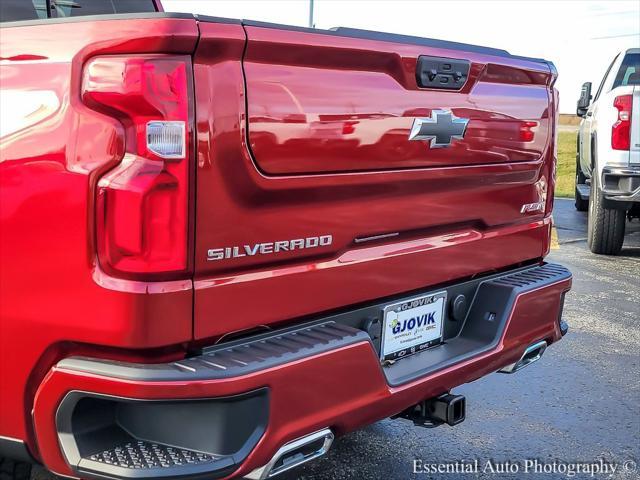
(578, 407)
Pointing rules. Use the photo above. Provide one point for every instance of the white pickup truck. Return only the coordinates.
(608, 153)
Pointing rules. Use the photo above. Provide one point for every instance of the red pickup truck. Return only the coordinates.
(223, 242)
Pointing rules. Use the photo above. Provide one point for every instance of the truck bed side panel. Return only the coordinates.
(54, 299)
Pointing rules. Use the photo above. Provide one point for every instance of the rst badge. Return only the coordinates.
(439, 129)
(532, 208)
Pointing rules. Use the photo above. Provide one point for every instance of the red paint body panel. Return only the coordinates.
(299, 290)
(315, 144)
(53, 296)
(322, 103)
(445, 211)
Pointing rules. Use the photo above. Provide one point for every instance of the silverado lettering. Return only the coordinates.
(269, 247)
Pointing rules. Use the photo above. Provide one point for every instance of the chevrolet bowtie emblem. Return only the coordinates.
(440, 129)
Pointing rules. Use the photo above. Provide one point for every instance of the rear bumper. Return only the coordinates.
(621, 184)
(278, 387)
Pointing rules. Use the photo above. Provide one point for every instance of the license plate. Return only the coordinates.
(412, 325)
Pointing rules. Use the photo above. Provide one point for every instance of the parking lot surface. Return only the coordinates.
(579, 404)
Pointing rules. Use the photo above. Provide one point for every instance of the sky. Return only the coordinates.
(580, 37)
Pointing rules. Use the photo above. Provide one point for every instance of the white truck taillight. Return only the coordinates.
(142, 205)
(621, 130)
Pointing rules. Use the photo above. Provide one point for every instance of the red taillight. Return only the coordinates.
(621, 130)
(142, 204)
(527, 131)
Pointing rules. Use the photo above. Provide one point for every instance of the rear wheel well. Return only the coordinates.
(606, 226)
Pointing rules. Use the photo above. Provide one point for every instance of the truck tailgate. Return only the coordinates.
(310, 195)
(331, 103)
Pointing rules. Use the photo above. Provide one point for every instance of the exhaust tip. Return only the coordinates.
(532, 354)
(294, 454)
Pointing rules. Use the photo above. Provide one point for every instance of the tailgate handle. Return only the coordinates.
(440, 72)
